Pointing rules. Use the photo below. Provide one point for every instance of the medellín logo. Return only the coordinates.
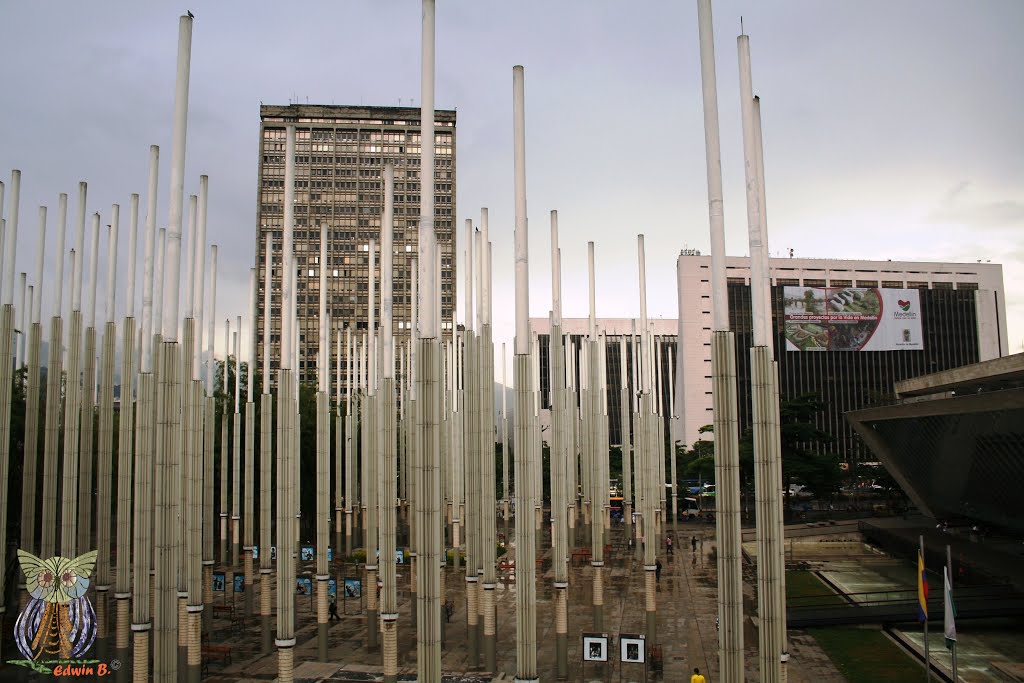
(904, 305)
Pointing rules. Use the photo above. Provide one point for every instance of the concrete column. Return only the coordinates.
(266, 512)
(52, 434)
(69, 524)
(31, 324)
(428, 507)
(323, 482)
(286, 510)
(143, 540)
(87, 447)
(727, 506)
(526, 569)
(166, 541)
(104, 474)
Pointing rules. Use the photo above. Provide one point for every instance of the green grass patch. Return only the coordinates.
(804, 589)
(866, 655)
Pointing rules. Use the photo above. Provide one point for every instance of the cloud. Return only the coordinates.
(958, 207)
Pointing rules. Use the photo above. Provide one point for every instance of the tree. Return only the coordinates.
(801, 445)
(698, 461)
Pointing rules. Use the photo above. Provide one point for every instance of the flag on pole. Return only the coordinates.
(950, 611)
(922, 589)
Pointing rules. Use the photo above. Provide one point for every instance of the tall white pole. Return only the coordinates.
(126, 427)
(36, 299)
(172, 265)
(148, 261)
(754, 226)
(133, 246)
(48, 528)
(191, 238)
(159, 262)
(62, 222)
(765, 286)
(266, 437)
(76, 292)
(723, 364)
(250, 382)
(19, 356)
(213, 318)
(6, 336)
(556, 275)
(429, 316)
(287, 249)
(87, 403)
(268, 287)
(387, 448)
(522, 271)
(287, 504)
(7, 262)
(772, 648)
(105, 441)
(94, 249)
(248, 527)
(167, 542)
(11, 239)
(115, 220)
(526, 571)
(199, 237)
(32, 333)
(429, 496)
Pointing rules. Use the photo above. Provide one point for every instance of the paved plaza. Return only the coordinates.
(687, 632)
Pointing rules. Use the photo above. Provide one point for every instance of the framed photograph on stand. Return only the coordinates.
(595, 647)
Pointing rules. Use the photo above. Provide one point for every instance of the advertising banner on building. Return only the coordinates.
(852, 319)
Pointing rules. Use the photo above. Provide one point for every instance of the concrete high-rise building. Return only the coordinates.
(340, 155)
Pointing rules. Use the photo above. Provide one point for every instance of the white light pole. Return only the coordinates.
(723, 371)
(526, 570)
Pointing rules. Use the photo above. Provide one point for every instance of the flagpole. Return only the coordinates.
(920, 579)
(949, 597)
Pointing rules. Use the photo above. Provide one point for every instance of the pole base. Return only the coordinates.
(321, 642)
(562, 656)
(267, 643)
(371, 629)
(490, 654)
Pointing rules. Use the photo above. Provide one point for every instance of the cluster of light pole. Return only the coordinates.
(163, 491)
(421, 437)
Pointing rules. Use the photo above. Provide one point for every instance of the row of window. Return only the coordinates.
(384, 136)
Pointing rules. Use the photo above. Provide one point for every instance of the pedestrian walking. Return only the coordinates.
(657, 571)
(697, 677)
(332, 609)
(668, 544)
(693, 543)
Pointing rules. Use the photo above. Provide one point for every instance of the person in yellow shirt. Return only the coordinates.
(697, 677)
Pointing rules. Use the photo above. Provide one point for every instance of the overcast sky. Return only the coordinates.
(891, 127)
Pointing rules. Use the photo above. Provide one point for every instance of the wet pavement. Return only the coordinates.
(686, 625)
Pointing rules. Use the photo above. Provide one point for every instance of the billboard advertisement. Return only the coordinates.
(852, 319)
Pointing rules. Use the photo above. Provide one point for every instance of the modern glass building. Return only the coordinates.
(340, 155)
(961, 317)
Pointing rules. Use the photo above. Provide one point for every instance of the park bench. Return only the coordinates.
(209, 651)
(221, 652)
(223, 610)
(581, 554)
